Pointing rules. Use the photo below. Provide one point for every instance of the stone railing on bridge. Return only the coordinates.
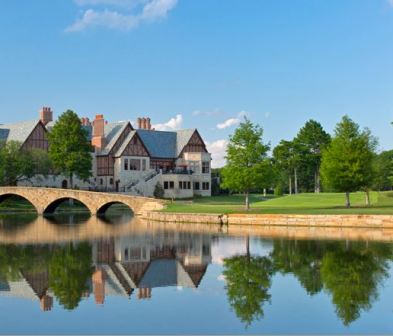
(46, 200)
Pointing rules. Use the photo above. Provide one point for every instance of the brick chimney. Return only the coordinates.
(46, 303)
(148, 124)
(46, 115)
(139, 122)
(144, 293)
(98, 140)
(85, 122)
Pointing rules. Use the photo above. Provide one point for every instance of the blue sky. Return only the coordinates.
(201, 63)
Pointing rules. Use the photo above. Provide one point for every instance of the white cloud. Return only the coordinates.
(174, 123)
(218, 151)
(148, 11)
(233, 121)
(107, 18)
(115, 3)
(157, 9)
(228, 123)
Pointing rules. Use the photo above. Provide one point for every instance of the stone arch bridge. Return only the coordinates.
(46, 200)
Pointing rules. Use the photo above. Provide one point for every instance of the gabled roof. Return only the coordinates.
(183, 137)
(164, 144)
(125, 143)
(112, 132)
(18, 131)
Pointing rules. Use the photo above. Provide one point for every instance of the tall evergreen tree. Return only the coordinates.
(311, 140)
(247, 164)
(347, 163)
(69, 147)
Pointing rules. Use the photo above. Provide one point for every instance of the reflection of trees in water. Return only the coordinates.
(69, 271)
(70, 268)
(248, 281)
(351, 273)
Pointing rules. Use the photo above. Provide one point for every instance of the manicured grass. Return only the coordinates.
(323, 203)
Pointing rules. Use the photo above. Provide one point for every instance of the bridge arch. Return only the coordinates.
(4, 197)
(52, 206)
(104, 207)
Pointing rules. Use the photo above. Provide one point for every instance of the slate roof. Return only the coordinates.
(163, 144)
(18, 131)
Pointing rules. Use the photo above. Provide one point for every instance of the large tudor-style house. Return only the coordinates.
(126, 159)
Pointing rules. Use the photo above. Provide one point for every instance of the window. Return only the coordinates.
(135, 164)
(143, 164)
(125, 164)
(111, 181)
(101, 181)
(188, 185)
(196, 186)
(205, 185)
(180, 185)
(166, 185)
(171, 185)
(205, 167)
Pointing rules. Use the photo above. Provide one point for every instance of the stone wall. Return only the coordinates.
(348, 221)
(378, 221)
(185, 218)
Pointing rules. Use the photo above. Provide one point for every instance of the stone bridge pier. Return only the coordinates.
(46, 200)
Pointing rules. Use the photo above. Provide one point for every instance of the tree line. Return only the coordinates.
(313, 161)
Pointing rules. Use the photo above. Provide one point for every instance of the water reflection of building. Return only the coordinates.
(30, 285)
(144, 262)
(123, 266)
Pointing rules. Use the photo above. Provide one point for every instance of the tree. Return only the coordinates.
(158, 190)
(384, 171)
(347, 163)
(247, 164)
(69, 147)
(18, 164)
(286, 157)
(312, 139)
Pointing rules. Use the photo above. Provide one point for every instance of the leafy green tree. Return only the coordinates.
(18, 164)
(384, 171)
(248, 280)
(158, 190)
(69, 147)
(69, 271)
(286, 158)
(312, 139)
(247, 164)
(347, 163)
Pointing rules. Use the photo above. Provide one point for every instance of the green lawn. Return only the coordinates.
(324, 203)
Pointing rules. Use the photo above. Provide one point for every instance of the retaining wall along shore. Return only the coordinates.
(365, 221)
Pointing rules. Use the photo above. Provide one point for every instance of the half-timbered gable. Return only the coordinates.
(133, 146)
(37, 139)
(195, 144)
(115, 139)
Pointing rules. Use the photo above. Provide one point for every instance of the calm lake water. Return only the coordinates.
(74, 274)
